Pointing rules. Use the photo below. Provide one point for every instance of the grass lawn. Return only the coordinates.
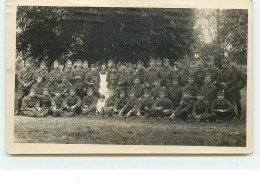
(131, 131)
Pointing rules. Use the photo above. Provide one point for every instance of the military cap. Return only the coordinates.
(72, 89)
(43, 63)
(85, 62)
(68, 61)
(110, 61)
(140, 62)
(78, 61)
(162, 91)
(39, 77)
(28, 60)
(45, 89)
(147, 91)
(220, 93)
(122, 91)
(158, 60)
(191, 76)
(89, 89)
(165, 60)
(56, 61)
(58, 90)
(93, 66)
(130, 64)
(152, 59)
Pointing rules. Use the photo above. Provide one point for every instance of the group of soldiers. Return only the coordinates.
(200, 93)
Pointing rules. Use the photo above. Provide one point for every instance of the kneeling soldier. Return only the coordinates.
(57, 109)
(201, 108)
(162, 106)
(71, 104)
(89, 103)
(185, 107)
(30, 105)
(145, 105)
(222, 109)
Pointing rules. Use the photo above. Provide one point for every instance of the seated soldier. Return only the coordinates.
(120, 102)
(138, 88)
(46, 103)
(145, 105)
(71, 104)
(175, 93)
(57, 109)
(201, 108)
(162, 106)
(192, 87)
(51, 85)
(185, 107)
(110, 103)
(222, 109)
(89, 103)
(38, 86)
(31, 105)
(64, 86)
(127, 110)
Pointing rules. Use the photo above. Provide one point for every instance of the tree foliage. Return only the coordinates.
(97, 34)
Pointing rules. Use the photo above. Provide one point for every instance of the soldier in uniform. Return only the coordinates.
(64, 86)
(185, 107)
(26, 79)
(192, 87)
(30, 105)
(71, 104)
(167, 73)
(46, 103)
(89, 103)
(51, 85)
(201, 108)
(56, 72)
(145, 105)
(151, 74)
(227, 82)
(92, 80)
(138, 88)
(240, 84)
(127, 110)
(122, 80)
(110, 66)
(38, 86)
(42, 72)
(68, 69)
(110, 103)
(163, 106)
(85, 67)
(130, 77)
(156, 88)
(77, 79)
(200, 74)
(159, 64)
(140, 71)
(222, 109)
(209, 90)
(57, 109)
(213, 71)
(120, 102)
(183, 73)
(175, 93)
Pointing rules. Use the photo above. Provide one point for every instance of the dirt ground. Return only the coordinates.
(130, 131)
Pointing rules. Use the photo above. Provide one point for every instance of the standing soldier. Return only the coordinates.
(151, 74)
(213, 71)
(140, 71)
(112, 75)
(51, 85)
(159, 64)
(130, 77)
(200, 74)
(92, 80)
(227, 82)
(56, 72)
(68, 69)
(42, 72)
(77, 79)
(122, 80)
(183, 73)
(209, 90)
(167, 73)
(240, 84)
(110, 66)
(25, 79)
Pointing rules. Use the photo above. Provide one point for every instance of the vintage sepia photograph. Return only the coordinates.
(131, 76)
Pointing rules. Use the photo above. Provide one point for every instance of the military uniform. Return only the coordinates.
(57, 74)
(227, 76)
(227, 114)
(64, 88)
(52, 86)
(156, 90)
(38, 88)
(166, 76)
(42, 73)
(29, 106)
(200, 108)
(151, 75)
(69, 102)
(141, 74)
(130, 80)
(110, 105)
(213, 72)
(183, 75)
(191, 89)
(122, 80)
(200, 76)
(120, 103)
(25, 76)
(92, 81)
(175, 93)
(210, 92)
(68, 73)
(58, 102)
(145, 106)
(164, 104)
(138, 90)
(129, 105)
(77, 80)
(112, 78)
(89, 104)
(184, 109)
(46, 103)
